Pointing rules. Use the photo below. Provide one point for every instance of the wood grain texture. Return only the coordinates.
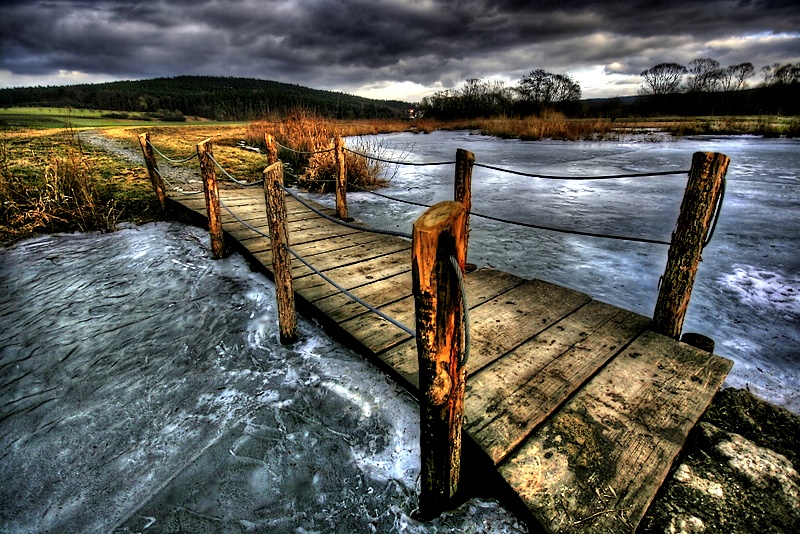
(598, 462)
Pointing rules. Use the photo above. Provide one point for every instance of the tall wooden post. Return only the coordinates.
(272, 149)
(152, 169)
(439, 234)
(281, 261)
(462, 189)
(205, 153)
(341, 179)
(697, 212)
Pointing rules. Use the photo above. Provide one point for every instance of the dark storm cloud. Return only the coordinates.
(345, 44)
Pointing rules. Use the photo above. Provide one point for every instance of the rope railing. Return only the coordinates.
(306, 152)
(531, 225)
(175, 188)
(241, 221)
(230, 176)
(462, 290)
(167, 158)
(598, 177)
(355, 298)
(395, 162)
(341, 222)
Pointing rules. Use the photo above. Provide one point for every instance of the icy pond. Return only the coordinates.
(747, 294)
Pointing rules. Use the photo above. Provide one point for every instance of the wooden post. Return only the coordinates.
(281, 261)
(439, 234)
(697, 212)
(205, 153)
(152, 169)
(272, 149)
(341, 179)
(462, 189)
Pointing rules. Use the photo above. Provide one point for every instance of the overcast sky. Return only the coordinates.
(403, 49)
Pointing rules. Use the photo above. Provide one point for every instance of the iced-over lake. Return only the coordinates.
(747, 294)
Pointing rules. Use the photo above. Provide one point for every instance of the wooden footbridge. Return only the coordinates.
(580, 406)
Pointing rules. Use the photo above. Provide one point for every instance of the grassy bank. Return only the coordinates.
(51, 182)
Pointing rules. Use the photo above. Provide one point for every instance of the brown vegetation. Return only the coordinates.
(52, 183)
(306, 141)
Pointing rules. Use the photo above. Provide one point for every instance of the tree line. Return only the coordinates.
(488, 98)
(217, 98)
(706, 75)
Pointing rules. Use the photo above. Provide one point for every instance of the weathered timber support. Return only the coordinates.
(698, 208)
(439, 234)
(341, 179)
(152, 169)
(272, 149)
(462, 190)
(281, 260)
(205, 153)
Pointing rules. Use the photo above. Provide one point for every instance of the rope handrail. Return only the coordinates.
(174, 161)
(462, 289)
(306, 152)
(256, 230)
(717, 210)
(356, 299)
(174, 188)
(340, 222)
(394, 162)
(531, 225)
(239, 182)
(599, 177)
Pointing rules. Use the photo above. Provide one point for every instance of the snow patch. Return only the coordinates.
(764, 290)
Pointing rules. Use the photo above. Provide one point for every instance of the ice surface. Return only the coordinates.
(746, 293)
(143, 389)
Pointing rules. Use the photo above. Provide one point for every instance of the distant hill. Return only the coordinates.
(216, 98)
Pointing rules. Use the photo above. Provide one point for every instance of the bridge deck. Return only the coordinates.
(581, 408)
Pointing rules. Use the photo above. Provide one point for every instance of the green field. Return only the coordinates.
(47, 117)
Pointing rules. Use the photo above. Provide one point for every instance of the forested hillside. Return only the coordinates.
(203, 96)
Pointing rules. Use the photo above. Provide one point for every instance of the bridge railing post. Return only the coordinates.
(439, 235)
(272, 148)
(341, 179)
(462, 188)
(281, 259)
(700, 202)
(205, 155)
(152, 169)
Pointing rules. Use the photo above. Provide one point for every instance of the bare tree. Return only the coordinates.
(545, 87)
(706, 75)
(663, 79)
(777, 74)
(734, 77)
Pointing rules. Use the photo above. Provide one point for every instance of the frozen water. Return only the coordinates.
(143, 387)
(746, 293)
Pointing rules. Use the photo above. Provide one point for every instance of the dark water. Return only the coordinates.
(747, 294)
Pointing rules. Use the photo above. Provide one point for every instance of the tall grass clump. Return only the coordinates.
(307, 141)
(51, 184)
(549, 125)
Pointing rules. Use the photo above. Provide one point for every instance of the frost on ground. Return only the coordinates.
(143, 389)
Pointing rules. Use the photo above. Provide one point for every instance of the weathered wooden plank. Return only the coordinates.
(339, 307)
(508, 399)
(351, 276)
(378, 334)
(352, 255)
(597, 464)
(482, 285)
(508, 320)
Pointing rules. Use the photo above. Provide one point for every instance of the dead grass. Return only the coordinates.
(308, 155)
(53, 183)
